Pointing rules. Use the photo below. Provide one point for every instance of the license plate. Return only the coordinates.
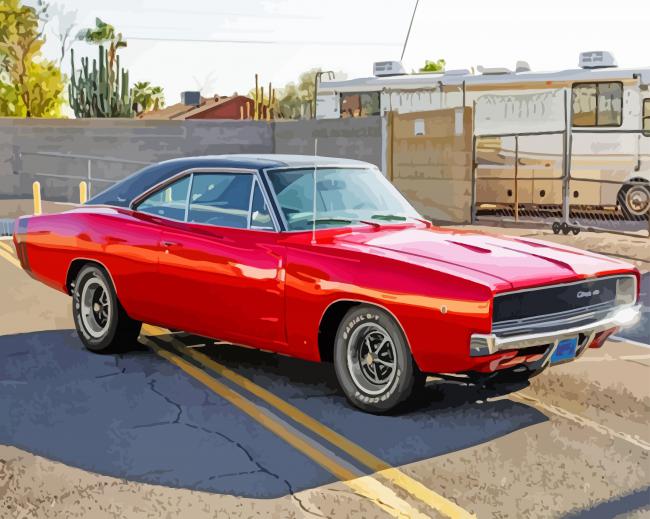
(565, 351)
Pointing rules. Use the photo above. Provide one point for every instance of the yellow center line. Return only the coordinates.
(580, 420)
(7, 247)
(10, 258)
(395, 476)
(365, 486)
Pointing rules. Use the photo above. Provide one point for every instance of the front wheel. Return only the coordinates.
(101, 322)
(372, 360)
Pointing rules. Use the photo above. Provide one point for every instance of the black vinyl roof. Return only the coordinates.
(122, 193)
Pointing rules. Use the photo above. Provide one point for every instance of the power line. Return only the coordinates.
(264, 42)
(240, 15)
(409, 31)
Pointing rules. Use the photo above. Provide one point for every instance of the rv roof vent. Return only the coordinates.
(522, 66)
(597, 59)
(388, 68)
(493, 71)
(457, 72)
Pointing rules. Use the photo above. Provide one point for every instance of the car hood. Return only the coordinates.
(503, 262)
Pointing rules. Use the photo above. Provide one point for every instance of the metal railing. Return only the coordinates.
(89, 160)
(560, 188)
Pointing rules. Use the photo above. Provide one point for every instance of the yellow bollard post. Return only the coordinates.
(36, 190)
(83, 192)
(257, 99)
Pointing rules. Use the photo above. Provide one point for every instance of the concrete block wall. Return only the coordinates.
(130, 140)
(154, 141)
(431, 162)
(359, 138)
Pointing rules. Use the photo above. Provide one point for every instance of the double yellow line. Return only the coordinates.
(7, 252)
(366, 486)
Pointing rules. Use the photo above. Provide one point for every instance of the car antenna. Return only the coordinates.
(313, 224)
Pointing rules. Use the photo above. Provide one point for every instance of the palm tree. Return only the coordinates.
(103, 32)
(157, 98)
(147, 97)
(141, 96)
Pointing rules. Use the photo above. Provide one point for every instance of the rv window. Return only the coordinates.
(357, 104)
(646, 117)
(597, 104)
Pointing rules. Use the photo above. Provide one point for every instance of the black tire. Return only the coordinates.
(566, 229)
(368, 340)
(101, 322)
(624, 201)
(557, 227)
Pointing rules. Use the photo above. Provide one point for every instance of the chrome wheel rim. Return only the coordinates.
(637, 200)
(371, 358)
(95, 307)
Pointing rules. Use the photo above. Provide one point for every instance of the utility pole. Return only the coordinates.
(317, 79)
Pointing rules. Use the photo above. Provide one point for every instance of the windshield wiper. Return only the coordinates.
(390, 217)
(331, 220)
(346, 221)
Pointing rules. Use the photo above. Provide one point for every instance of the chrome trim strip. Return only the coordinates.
(487, 344)
(199, 170)
(260, 181)
(180, 174)
(188, 198)
(274, 197)
(316, 165)
(249, 218)
(584, 280)
(567, 316)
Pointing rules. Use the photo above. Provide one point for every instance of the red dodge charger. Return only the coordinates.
(322, 259)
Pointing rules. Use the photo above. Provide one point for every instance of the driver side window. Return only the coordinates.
(220, 199)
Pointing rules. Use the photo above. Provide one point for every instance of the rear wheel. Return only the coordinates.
(101, 322)
(634, 200)
(372, 360)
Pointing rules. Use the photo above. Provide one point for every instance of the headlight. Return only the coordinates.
(626, 290)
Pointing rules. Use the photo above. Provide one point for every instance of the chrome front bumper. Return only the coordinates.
(553, 332)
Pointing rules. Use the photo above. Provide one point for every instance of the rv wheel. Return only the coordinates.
(634, 200)
(556, 227)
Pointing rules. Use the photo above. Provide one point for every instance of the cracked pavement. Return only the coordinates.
(145, 422)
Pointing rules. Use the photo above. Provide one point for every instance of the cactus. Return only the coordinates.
(100, 91)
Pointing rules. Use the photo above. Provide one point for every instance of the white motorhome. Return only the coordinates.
(607, 109)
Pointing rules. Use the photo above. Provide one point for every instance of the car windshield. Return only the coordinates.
(344, 196)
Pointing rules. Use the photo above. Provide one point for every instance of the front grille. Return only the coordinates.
(569, 298)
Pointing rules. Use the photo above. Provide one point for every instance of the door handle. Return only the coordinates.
(171, 244)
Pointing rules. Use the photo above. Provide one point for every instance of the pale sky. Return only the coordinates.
(349, 35)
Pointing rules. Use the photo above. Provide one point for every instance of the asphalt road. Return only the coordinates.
(138, 417)
(179, 411)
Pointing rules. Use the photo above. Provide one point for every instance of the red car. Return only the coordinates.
(321, 259)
